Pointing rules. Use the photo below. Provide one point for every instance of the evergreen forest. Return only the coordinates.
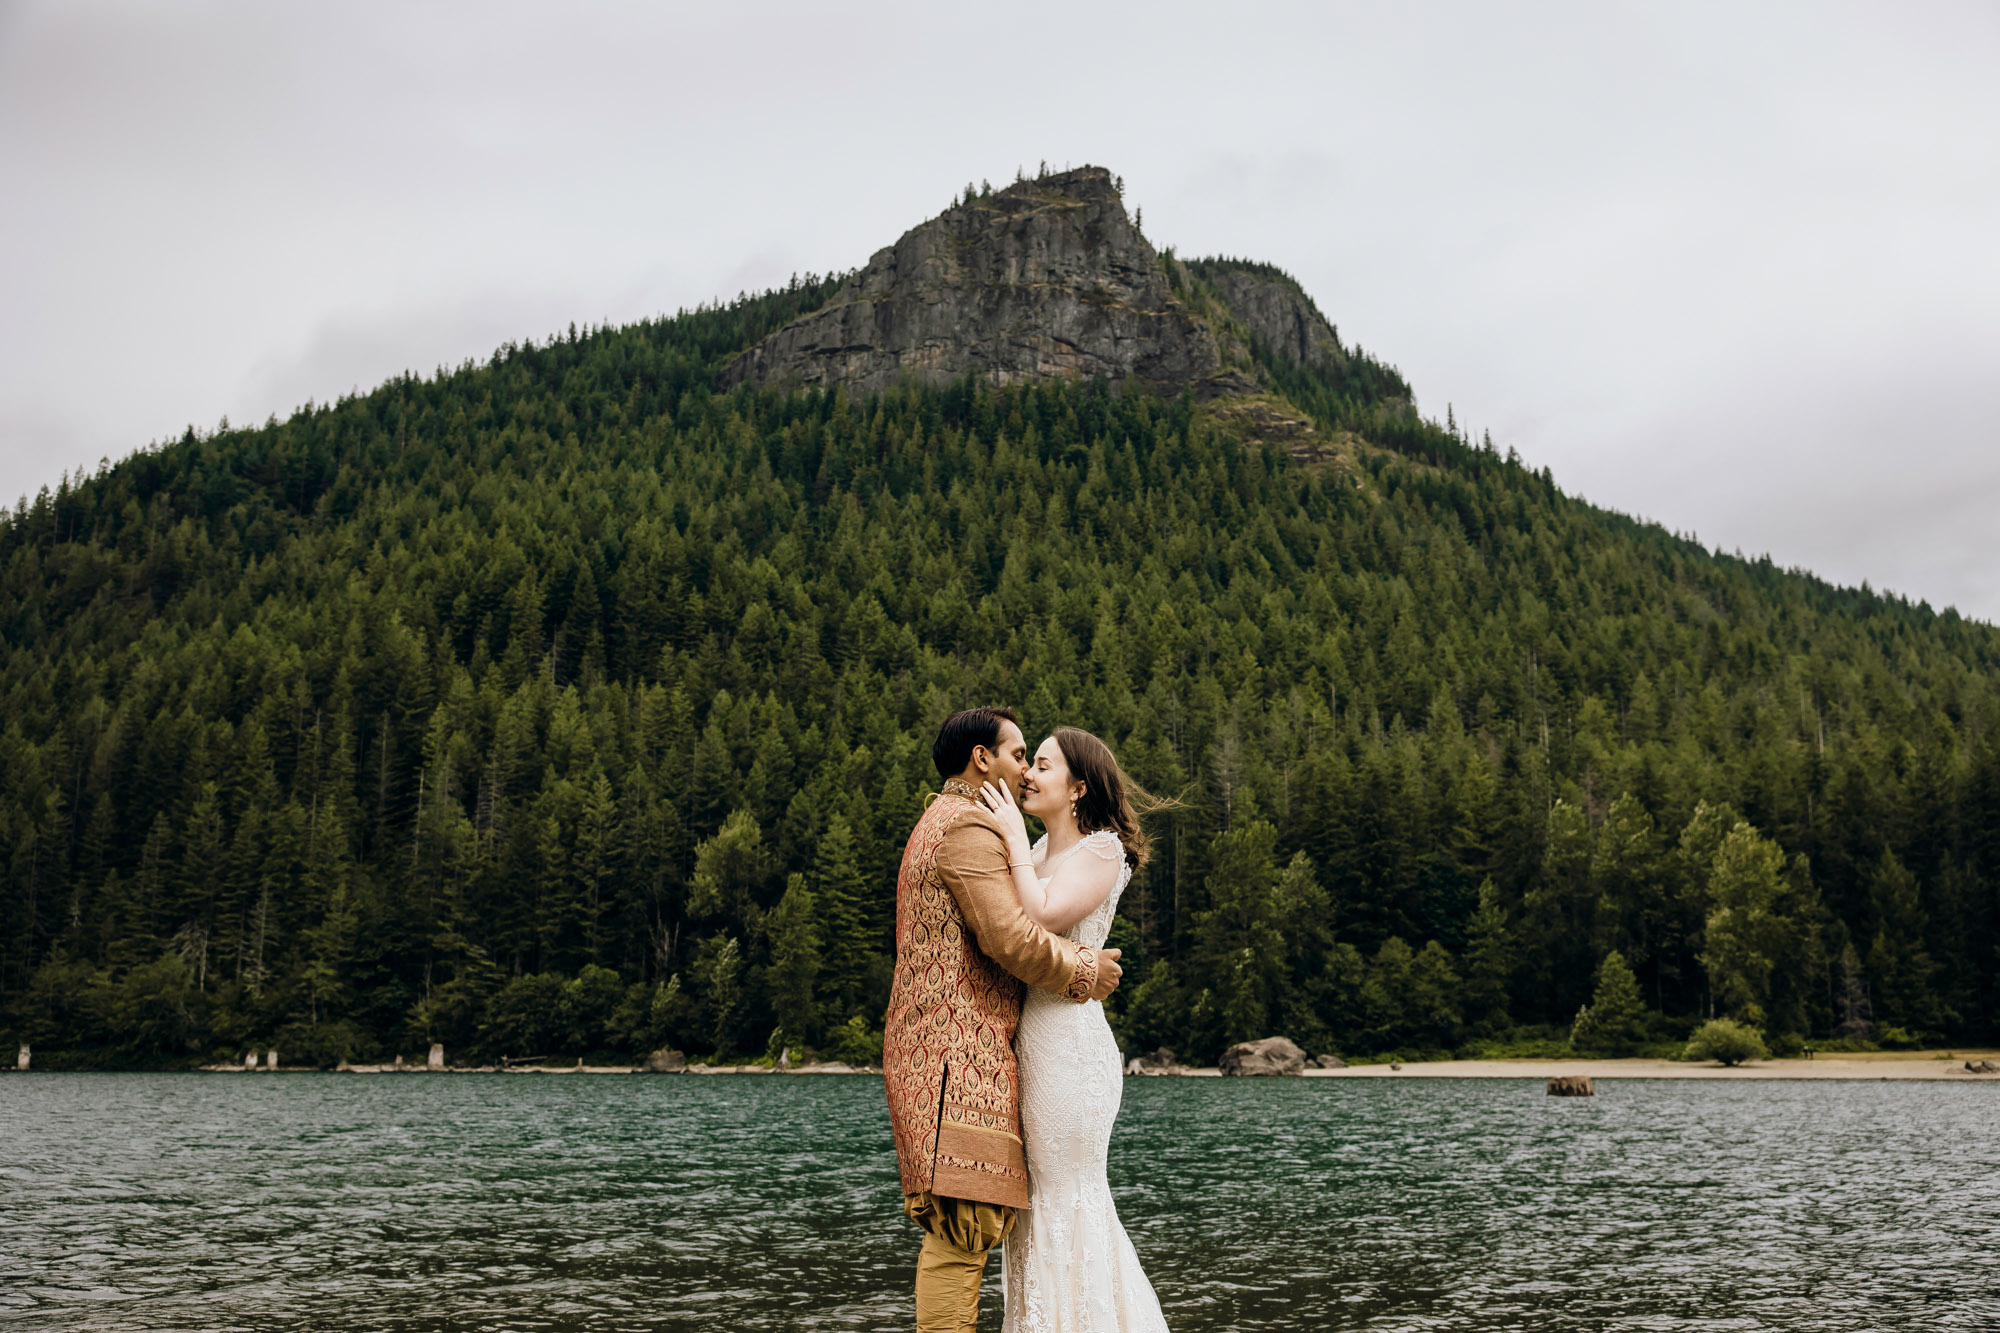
(563, 706)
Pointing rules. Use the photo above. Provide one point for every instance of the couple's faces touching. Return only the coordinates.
(1043, 787)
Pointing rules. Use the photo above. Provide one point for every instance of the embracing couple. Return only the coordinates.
(1003, 1105)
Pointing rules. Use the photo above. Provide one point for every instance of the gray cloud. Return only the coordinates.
(1726, 267)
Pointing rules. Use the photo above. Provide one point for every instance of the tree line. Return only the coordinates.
(561, 705)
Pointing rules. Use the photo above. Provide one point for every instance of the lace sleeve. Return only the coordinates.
(1105, 845)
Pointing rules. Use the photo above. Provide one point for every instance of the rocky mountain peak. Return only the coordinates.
(1048, 278)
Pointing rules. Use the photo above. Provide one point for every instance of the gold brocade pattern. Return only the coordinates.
(948, 1048)
(1085, 975)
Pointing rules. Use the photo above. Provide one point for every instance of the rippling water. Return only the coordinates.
(544, 1202)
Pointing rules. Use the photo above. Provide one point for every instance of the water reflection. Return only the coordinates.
(475, 1202)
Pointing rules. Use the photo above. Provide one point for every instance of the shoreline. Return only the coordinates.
(513, 1069)
(1873, 1066)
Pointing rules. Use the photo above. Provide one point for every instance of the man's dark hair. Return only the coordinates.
(964, 732)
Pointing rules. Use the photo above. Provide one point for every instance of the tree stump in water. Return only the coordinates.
(1572, 1085)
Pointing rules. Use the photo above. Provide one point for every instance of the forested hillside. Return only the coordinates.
(563, 704)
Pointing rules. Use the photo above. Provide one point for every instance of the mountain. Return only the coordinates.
(1048, 279)
(578, 701)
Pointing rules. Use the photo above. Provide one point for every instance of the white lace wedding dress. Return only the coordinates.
(1069, 1267)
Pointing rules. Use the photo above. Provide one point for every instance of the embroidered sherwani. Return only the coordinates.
(963, 949)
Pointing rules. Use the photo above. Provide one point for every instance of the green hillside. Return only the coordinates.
(561, 705)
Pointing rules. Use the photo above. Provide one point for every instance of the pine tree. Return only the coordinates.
(328, 885)
(1244, 943)
(1742, 932)
(596, 833)
(839, 894)
(1489, 962)
(1385, 997)
(1615, 1020)
(731, 873)
(718, 975)
(795, 963)
(1432, 1007)
(1851, 1004)
(1897, 960)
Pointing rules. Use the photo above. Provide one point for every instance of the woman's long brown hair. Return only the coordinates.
(1109, 797)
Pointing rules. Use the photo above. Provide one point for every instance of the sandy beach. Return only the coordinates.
(1873, 1065)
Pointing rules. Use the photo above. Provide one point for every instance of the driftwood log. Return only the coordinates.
(1572, 1085)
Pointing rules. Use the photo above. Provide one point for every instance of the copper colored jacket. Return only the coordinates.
(962, 941)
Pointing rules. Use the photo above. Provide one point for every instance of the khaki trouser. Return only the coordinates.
(957, 1235)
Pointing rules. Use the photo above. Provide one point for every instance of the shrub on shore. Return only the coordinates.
(855, 1044)
(1727, 1041)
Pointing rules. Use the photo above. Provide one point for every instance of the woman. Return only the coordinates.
(1069, 1264)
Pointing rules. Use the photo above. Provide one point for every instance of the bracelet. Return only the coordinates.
(1029, 864)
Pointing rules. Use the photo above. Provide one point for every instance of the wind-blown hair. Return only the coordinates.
(965, 731)
(1110, 799)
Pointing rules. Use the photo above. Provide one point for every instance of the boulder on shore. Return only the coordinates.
(1152, 1064)
(666, 1062)
(1328, 1061)
(1271, 1056)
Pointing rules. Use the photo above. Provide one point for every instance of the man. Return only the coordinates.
(963, 948)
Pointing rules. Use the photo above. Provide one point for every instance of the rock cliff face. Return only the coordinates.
(1276, 312)
(1046, 279)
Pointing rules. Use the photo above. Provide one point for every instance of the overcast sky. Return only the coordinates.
(1735, 268)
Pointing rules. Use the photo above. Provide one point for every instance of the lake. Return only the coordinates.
(418, 1202)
